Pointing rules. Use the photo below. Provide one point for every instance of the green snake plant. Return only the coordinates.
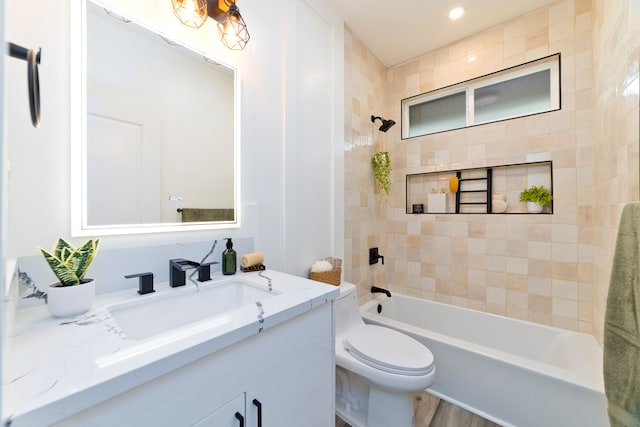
(68, 263)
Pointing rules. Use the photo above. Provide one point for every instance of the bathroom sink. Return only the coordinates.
(152, 315)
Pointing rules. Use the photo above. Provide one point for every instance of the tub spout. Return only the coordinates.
(375, 289)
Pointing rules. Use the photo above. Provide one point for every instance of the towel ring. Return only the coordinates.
(33, 77)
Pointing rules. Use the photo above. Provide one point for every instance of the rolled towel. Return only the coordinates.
(251, 259)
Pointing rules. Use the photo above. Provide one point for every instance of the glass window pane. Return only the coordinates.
(516, 97)
(446, 113)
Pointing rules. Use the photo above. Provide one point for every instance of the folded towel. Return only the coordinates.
(249, 260)
(622, 324)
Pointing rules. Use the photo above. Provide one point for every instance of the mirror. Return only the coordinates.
(159, 148)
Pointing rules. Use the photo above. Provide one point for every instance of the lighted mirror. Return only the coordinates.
(158, 149)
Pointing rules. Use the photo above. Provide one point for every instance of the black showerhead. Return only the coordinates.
(386, 124)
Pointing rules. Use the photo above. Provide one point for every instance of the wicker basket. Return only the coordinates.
(331, 277)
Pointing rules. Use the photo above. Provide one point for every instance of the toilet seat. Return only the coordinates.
(389, 351)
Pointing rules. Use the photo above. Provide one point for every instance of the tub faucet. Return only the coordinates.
(177, 268)
(375, 289)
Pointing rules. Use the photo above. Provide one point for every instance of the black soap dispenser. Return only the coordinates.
(229, 259)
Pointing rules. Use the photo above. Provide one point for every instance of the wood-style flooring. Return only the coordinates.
(434, 412)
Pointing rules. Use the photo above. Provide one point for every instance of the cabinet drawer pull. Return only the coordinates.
(240, 418)
(259, 406)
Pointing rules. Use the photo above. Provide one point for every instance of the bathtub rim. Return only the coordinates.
(593, 382)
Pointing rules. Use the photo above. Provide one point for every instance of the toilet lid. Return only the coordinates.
(389, 351)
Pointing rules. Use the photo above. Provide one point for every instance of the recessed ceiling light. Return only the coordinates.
(456, 13)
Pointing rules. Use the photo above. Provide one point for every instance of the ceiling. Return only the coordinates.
(398, 30)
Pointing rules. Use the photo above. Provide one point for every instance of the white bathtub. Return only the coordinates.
(512, 372)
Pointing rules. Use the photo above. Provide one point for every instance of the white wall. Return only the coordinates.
(3, 199)
(39, 204)
(314, 120)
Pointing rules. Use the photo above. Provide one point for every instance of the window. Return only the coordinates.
(527, 89)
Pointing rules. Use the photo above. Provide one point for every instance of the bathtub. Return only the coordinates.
(512, 372)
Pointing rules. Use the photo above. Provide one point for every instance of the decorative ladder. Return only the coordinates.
(486, 190)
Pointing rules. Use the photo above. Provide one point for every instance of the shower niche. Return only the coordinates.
(484, 190)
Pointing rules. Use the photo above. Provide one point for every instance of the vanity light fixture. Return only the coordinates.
(231, 26)
(192, 13)
(456, 13)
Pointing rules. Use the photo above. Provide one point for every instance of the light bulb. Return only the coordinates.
(192, 13)
(233, 30)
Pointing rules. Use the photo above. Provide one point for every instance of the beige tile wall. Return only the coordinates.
(616, 47)
(365, 94)
(534, 267)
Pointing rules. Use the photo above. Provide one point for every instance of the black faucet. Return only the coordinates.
(375, 289)
(145, 282)
(204, 271)
(177, 268)
(374, 256)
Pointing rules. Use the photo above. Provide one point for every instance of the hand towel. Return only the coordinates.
(251, 259)
(199, 215)
(622, 324)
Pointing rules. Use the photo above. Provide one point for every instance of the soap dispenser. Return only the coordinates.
(229, 259)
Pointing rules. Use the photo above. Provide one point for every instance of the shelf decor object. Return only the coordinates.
(536, 197)
(437, 203)
(453, 184)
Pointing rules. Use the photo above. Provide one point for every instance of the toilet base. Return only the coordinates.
(361, 405)
(390, 409)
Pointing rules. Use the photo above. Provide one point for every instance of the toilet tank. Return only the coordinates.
(346, 310)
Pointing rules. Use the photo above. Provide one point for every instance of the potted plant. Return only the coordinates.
(73, 294)
(536, 197)
(382, 170)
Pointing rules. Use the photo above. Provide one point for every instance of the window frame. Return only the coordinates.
(551, 63)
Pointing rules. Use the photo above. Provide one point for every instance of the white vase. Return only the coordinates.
(66, 301)
(534, 207)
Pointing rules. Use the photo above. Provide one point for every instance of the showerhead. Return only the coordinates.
(386, 124)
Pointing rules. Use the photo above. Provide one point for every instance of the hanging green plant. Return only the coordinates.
(382, 171)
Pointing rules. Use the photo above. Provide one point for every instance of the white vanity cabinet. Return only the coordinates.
(298, 392)
(288, 369)
(230, 415)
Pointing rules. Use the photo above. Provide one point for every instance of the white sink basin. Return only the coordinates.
(156, 314)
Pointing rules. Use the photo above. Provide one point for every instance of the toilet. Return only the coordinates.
(377, 369)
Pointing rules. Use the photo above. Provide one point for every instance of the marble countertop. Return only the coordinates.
(58, 367)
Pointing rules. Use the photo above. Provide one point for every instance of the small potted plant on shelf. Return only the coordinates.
(73, 294)
(536, 197)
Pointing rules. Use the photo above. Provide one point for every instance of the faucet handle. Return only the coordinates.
(204, 271)
(374, 256)
(145, 282)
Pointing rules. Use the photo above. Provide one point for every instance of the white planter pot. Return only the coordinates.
(534, 207)
(66, 301)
